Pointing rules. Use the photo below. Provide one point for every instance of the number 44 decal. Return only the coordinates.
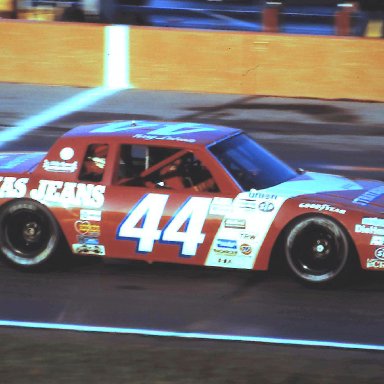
(184, 228)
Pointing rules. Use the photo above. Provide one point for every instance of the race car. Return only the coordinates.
(184, 193)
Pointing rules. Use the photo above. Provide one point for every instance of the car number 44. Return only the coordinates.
(184, 228)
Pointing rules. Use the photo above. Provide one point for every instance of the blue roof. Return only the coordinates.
(185, 132)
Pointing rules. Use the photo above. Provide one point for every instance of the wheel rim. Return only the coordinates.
(27, 236)
(317, 251)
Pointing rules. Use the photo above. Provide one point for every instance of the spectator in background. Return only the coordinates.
(373, 10)
(73, 13)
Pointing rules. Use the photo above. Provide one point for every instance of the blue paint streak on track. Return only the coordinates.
(193, 335)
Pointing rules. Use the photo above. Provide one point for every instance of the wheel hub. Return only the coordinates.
(320, 248)
(31, 232)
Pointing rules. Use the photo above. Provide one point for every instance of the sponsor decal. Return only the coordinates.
(69, 194)
(168, 138)
(13, 187)
(322, 207)
(266, 206)
(370, 230)
(254, 194)
(82, 239)
(369, 196)
(84, 227)
(224, 261)
(248, 236)
(59, 166)
(247, 205)
(226, 244)
(90, 214)
(379, 253)
(224, 252)
(375, 264)
(234, 223)
(375, 221)
(157, 130)
(67, 153)
(89, 249)
(220, 206)
(245, 249)
(377, 240)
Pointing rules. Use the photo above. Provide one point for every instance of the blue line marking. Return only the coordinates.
(192, 335)
(66, 107)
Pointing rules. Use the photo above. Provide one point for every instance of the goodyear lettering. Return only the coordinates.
(322, 207)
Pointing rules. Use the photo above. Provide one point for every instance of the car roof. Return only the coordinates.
(155, 132)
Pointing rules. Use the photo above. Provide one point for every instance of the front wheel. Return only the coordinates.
(29, 235)
(317, 251)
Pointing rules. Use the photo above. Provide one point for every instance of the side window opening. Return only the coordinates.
(94, 163)
(163, 168)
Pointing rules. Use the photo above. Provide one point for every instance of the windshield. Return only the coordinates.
(250, 164)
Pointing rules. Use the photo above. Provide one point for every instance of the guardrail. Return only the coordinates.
(90, 55)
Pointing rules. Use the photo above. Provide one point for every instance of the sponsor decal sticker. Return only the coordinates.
(220, 206)
(254, 194)
(375, 264)
(84, 227)
(377, 240)
(83, 239)
(226, 244)
(235, 223)
(13, 187)
(90, 214)
(369, 196)
(375, 221)
(59, 166)
(245, 249)
(67, 153)
(248, 236)
(266, 206)
(370, 230)
(379, 253)
(69, 194)
(224, 252)
(88, 249)
(322, 207)
(246, 205)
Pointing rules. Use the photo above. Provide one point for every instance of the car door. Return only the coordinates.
(164, 204)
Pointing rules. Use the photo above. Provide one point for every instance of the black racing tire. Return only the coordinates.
(317, 251)
(29, 235)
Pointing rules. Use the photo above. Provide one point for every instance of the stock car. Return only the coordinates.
(184, 193)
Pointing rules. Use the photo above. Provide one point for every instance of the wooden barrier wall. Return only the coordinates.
(262, 64)
(197, 61)
(51, 53)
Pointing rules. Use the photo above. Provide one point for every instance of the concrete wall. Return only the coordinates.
(188, 60)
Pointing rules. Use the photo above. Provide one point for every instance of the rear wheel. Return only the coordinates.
(29, 235)
(317, 251)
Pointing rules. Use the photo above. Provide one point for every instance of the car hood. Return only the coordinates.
(316, 187)
(19, 162)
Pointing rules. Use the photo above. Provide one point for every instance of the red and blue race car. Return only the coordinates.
(184, 193)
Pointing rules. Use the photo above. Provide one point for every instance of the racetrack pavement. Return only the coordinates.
(315, 134)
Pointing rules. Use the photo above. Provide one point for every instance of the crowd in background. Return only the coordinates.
(323, 17)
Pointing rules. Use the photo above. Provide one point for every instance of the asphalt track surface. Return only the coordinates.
(341, 137)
